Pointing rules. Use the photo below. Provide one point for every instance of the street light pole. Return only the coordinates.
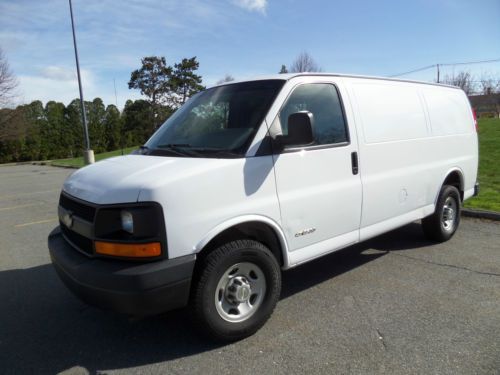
(88, 155)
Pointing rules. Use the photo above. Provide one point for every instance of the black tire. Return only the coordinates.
(216, 269)
(436, 227)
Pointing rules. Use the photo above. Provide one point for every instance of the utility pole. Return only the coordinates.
(88, 154)
(437, 66)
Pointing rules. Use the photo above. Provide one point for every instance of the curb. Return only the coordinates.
(47, 163)
(62, 166)
(481, 214)
(19, 163)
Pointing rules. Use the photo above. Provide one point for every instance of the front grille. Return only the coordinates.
(78, 208)
(84, 211)
(82, 243)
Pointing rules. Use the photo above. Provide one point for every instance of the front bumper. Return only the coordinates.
(122, 286)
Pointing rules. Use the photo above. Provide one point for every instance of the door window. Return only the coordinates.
(322, 100)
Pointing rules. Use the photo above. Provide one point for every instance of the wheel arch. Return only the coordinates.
(454, 177)
(260, 228)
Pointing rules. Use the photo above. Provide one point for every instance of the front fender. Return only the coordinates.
(245, 219)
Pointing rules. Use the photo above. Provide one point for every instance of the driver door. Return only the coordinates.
(318, 189)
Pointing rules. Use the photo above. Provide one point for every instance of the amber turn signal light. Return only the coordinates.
(136, 250)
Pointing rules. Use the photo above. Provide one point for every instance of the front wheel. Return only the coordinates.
(443, 223)
(236, 290)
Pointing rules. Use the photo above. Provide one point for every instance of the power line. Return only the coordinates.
(447, 64)
(472, 62)
(414, 71)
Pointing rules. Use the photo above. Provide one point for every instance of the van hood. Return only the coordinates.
(121, 179)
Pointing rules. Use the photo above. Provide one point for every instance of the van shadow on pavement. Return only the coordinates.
(44, 329)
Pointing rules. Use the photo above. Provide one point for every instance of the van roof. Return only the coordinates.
(288, 76)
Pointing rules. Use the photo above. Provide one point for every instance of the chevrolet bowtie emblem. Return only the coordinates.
(67, 219)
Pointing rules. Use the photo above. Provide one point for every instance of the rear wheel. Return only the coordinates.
(236, 290)
(443, 223)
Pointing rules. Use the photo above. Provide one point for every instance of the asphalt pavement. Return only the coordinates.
(396, 304)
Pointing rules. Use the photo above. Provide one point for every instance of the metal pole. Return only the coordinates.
(116, 98)
(116, 102)
(437, 73)
(88, 154)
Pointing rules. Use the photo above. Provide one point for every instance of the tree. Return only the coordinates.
(34, 117)
(283, 70)
(489, 85)
(74, 131)
(227, 78)
(464, 80)
(304, 63)
(96, 114)
(136, 126)
(113, 128)
(11, 123)
(8, 82)
(185, 82)
(54, 131)
(154, 80)
(490, 88)
(166, 87)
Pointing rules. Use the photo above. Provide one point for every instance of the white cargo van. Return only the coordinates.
(251, 178)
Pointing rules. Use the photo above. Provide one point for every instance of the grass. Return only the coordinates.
(78, 162)
(489, 167)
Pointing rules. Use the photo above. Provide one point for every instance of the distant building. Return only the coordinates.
(486, 105)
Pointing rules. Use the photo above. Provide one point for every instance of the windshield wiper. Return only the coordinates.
(174, 145)
(182, 149)
(215, 152)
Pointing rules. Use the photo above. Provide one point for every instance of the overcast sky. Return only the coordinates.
(243, 38)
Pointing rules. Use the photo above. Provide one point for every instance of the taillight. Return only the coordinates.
(475, 119)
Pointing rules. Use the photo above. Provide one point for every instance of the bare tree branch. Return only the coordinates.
(304, 63)
(464, 80)
(227, 78)
(8, 82)
(489, 85)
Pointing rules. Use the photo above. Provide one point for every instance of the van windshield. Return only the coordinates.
(219, 122)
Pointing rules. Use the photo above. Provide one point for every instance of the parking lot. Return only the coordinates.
(395, 304)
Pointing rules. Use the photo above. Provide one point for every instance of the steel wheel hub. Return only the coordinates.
(449, 212)
(240, 292)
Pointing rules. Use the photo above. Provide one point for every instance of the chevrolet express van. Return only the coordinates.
(251, 178)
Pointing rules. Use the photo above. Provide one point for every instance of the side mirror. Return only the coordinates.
(300, 130)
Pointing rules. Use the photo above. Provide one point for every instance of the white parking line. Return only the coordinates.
(35, 222)
(4, 197)
(20, 206)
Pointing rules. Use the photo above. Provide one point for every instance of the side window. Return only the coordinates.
(322, 100)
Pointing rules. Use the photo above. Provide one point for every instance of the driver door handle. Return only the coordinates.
(354, 163)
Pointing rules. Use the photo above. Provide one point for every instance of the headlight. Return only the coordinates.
(127, 221)
(134, 230)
